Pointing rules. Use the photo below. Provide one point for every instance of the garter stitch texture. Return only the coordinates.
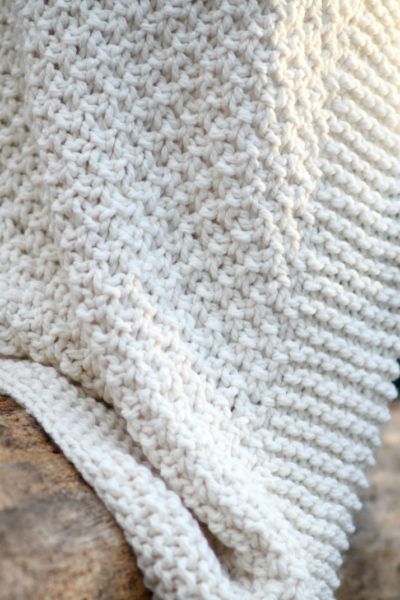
(199, 270)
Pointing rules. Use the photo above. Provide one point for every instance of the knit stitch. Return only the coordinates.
(199, 271)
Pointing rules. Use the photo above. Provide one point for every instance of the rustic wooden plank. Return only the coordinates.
(58, 541)
(371, 570)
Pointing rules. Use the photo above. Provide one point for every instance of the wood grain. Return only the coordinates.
(371, 570)
(58, 541)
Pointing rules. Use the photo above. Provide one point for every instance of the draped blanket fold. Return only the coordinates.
(199, 271)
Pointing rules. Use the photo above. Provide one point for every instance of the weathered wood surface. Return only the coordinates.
(58, 541)
(371, 570)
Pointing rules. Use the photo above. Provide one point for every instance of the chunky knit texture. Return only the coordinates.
(199, 271)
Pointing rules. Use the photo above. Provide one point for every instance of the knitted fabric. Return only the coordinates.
(199, 271)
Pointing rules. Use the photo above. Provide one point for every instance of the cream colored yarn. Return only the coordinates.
(199, 271)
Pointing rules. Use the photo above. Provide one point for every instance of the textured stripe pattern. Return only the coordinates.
(199, 271)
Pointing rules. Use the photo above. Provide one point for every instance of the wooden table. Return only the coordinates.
(58, 541)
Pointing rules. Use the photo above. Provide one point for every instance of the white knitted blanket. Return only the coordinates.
(199, 270)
